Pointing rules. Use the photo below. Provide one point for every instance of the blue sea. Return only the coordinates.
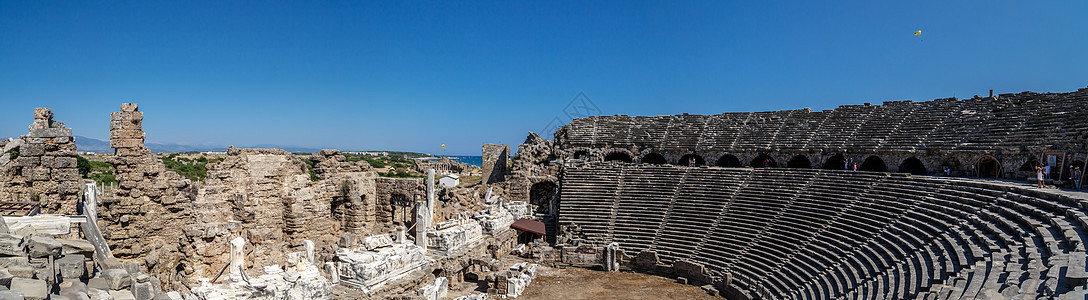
(469, 160)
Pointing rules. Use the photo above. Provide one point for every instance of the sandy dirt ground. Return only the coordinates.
(577, 283)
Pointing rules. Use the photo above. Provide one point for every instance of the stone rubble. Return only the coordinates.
(300, 279)
(76, 272)
(511, 283)
(437, 290)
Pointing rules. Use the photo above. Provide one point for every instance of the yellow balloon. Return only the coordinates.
(918, 32)
(443, 145)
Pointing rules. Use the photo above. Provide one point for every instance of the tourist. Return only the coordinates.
(691, 161)
(855, 166)
(767, 163)
(1039, 175)
(1076, 177)
(1046, 170)
(947, 171)
(846, 164)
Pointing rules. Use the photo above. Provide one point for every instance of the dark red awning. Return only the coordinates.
(533, 226)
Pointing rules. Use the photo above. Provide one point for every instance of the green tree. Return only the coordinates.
(83, 165)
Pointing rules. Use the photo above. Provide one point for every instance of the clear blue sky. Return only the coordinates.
(389, 75)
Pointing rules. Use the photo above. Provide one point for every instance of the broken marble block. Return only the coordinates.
(43, 245)
(72, 267)
(32, 289)
(117, 279)
(11, 245)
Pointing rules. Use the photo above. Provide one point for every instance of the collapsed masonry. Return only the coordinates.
(383, 264)
(299, 279)
(280, 204)
(177, 229)
(39, 260)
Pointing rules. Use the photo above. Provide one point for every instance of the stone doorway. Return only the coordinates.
(618, 156)
(873, 163)
(684, 160)
(989, 167)
(799, 162)
(728, 161)
(763, 161)
(654, 159)
(913, 166)
(835, 162)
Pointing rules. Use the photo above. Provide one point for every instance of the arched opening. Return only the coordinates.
(542, 196)
(799, 162)
(873, 163)
(835, 162)
(1029, 166)
(618, 156)
(401, 212)
(654, 159)
(691, 159)
(913, 165)
(728, 161)
(989, 167)
(763, 161)
(581, 154)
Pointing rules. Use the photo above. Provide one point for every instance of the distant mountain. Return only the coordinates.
(85, 144)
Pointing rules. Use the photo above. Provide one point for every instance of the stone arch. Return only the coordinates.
(618, 156)
(762, 161)
(542, 196)
(654, 159)
(1029, 166)
(683, 161)
(581, 154)
(799, 162)
(988, 167)
(914, 166)
(835, 162)
(873, 163)
(728, 161)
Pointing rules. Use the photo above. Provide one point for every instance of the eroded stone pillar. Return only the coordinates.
(610, 263)
(309, 251)
(423, 218)
(334, 274)
(400, 234)
(430, 192)
(237, 258)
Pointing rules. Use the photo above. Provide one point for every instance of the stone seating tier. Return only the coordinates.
(1009, 122)
(821, 234)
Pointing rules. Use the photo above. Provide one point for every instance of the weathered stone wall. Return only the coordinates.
(495, 162)
(144, 218)
(180, 230)
(396, 198)
(354, 200)
(535, 163)
(41, 166)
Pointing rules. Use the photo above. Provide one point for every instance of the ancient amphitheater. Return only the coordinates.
(919, 200)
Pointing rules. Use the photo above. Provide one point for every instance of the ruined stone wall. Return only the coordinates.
(180, 230)
(534, 163)
(354, 204)
(495, 162)
(396, 198)
(41, 166)
(267, 197)
(144, 217)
